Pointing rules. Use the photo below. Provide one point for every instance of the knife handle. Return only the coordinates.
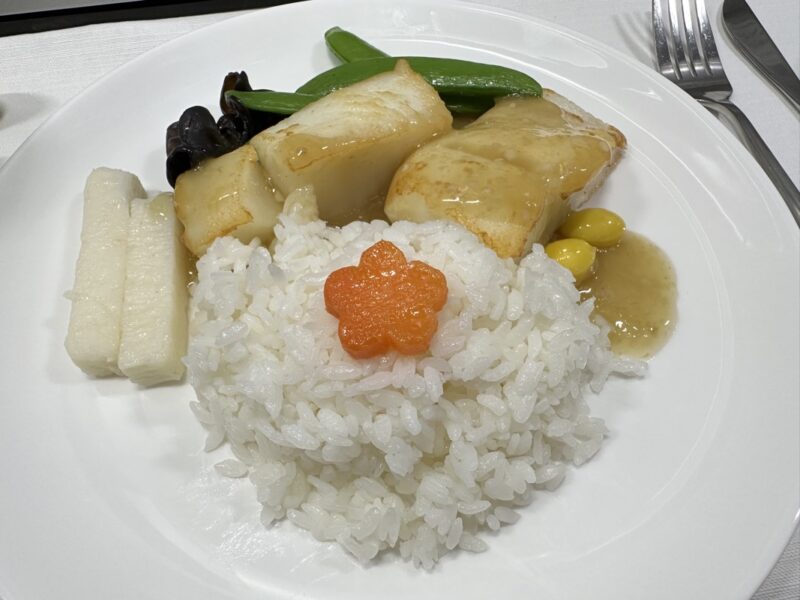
(745, 131)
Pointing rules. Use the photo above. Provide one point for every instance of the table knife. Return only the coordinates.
(754, 42)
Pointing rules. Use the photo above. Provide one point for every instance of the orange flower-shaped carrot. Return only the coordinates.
(385, 302)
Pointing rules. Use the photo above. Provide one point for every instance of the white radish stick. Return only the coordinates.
(154, 314)
(93, 336)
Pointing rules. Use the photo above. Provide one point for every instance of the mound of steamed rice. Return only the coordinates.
(417, 453)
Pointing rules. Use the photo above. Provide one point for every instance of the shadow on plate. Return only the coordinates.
(635, 30)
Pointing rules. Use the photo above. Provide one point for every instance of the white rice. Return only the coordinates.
(420, 454)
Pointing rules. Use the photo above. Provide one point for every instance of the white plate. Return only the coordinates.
(107, 494)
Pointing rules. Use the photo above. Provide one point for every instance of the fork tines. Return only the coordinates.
(685, 46)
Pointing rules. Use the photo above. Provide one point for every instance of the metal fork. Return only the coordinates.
(687, 56)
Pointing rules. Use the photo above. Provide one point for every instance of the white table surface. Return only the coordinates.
(39, 72)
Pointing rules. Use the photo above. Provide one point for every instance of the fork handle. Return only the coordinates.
(745, 131)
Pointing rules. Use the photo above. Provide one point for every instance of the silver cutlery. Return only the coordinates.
(687, 56)
(752, 39)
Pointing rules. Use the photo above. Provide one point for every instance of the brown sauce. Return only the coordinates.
(372, 210)
(635, 291)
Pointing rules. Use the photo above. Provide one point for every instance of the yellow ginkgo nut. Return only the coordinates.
(597, 226)
(576, 255)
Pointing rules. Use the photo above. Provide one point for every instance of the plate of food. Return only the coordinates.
(345, 299)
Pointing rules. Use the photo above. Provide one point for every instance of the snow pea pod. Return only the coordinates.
(447, 75)
(282, 103)
(468, 106)
(287, 103)
(348, 47)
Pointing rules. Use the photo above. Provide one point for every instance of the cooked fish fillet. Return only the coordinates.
(227, 195)
(349, 143)
(512, 175)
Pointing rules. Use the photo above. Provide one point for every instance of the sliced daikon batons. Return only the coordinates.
(154, 314)
(93, 336)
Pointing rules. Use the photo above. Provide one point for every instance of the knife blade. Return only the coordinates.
(752, 39)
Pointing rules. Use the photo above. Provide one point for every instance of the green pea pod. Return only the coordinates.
(348, 47)
(448, 76)
(282, 103)
(470, 106)
(287, 103)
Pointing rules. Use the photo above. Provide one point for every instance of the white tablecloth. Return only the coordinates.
(39, 72)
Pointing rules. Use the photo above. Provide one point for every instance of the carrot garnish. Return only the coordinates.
(385, 302)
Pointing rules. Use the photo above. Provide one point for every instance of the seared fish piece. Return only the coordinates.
(227, 195)
(94, 322)
(349, 144)
(512, 175)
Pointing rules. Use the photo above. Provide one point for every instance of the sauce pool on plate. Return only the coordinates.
(635, 291)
